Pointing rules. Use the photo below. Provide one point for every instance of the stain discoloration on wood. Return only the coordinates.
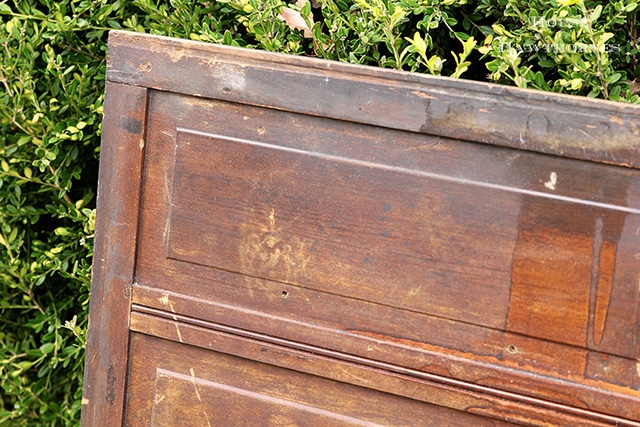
(326, 244)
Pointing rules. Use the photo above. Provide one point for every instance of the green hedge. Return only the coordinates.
(52, 66)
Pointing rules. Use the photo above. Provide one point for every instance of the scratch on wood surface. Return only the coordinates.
(585, 134)
(206, 416)
(175, 318)
(351, 375)
(423, 95)
(195, 386)
(420, 147)
(164, 300)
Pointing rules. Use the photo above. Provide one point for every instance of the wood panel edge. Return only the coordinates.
(121, 161)
(557, 124)
(388, 378)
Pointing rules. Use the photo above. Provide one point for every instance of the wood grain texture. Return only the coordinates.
(332, 241)
(571, 126)
(114, 254)
(461, 399)
(316, 243)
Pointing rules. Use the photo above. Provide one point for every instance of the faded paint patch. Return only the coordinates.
(270, 252)
(617, 120)
(553, 180)
(228, 77)
(164, 300)
(145, 67)
(176, 55)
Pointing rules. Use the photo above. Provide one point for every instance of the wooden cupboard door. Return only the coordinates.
(284, 241)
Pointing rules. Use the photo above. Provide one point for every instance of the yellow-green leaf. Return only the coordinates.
(419, 44)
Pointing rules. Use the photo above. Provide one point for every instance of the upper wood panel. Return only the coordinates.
(490, 265)
(494, 114)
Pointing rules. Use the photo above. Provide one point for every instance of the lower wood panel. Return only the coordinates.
(245, 365)
(504, 372)
(173, 384)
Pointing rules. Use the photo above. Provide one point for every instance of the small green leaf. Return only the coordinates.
(596, 13)
(614, 77)
(419, 44)
(12, 236)
(47, 348)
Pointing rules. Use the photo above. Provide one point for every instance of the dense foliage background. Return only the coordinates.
(52, 65)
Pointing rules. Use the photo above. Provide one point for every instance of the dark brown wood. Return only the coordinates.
(188, 386)
(375, 239)
(114, 254)
(493, 114)
(395, 380)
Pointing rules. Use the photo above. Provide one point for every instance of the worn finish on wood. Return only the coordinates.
(494, 114)
(419, 241)
(396, 380)
(114, 254)
(188, 386)
(367, 236)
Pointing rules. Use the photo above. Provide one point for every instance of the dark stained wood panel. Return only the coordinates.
(186, 385)
(310, 382)
(362, 241)
(466, 237)
(369, 231)
(114, 255)
(492, 114)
